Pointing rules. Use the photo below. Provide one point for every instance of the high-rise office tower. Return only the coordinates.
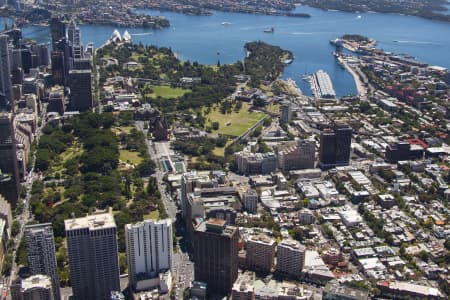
(9, 185)
(41, 253)
(5, 75)
(216, 255)
(41, 52)
(74, 38)
(57, 30)
(335, 146)
(58, 69)
(27, 60)
(80, 84)
(93, 256)
(149, 248)
(286, 112)
(343, 143)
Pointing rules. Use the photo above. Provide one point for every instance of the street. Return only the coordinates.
(25, 216)
(182, 266)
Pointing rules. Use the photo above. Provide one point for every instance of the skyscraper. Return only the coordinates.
(5, 75)
(216, 255)
(335, 146)
(93, 256)
(41, 253)
(343, 143)
(57, 30)
(286, 112)
(73, 36)
(80, 84)
(58, 67)
(149, 248)
(10, 185)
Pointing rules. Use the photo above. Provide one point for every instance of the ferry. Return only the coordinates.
(269, 30)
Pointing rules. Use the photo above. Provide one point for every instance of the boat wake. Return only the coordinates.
(303, 33)
(416, 42)
(310, 33)
(145, 33)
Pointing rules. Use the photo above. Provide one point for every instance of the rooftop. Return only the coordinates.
(36, 281)
(93, 222)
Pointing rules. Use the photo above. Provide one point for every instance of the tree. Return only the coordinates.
(257, 132)
(146, 167)
(15, 228)
(215, 125)
(7, 264)
(423, 255)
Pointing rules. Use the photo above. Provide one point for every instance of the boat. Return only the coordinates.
(288, 61)
(269, 30)
(226, 23)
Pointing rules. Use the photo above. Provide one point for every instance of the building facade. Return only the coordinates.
(9, 176)
(335, 146)
(286, 112)
(93, 256)
(249, 163)
(80, 84)
(149, 247)
(290, 257)
(36, 287)
(216, 255)
(260, 253)
(250, 199)
(301, 155)
(40, 245)
(5, 75)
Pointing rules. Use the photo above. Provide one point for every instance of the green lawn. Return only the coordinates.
(238, 123)
(152, 215)
(167, 92)
(129, 156)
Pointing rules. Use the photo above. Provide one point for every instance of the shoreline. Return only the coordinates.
(360, 87)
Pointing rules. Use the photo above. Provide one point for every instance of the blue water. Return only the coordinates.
(199, 38)
(4, 21)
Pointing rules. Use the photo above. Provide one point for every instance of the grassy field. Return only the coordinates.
(167, 92)
(129, 156)
(238, 123)
(273, 108)
(152, 215)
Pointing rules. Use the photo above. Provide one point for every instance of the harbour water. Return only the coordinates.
(201, 38)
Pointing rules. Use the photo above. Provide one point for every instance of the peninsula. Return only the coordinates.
(429, 9)
(101, 12)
